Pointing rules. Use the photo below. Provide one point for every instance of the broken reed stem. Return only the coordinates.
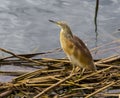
(69, 82)
(28, 75)
(33, 54)
(56, 60)
(35, 73)
(6, 93)
(101, 89)
(107, 65)
(11, 73)
(21, 57)
(92, 74)
(54, 85)
(112, 95)
(45, 85)
(109, 59)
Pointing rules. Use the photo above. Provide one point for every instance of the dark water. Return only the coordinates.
(24, 24)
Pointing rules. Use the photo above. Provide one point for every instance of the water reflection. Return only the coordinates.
(95, 23)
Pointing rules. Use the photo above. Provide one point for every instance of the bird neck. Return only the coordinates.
(66, 32)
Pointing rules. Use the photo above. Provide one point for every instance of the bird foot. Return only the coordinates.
(81, 71)
(75, 70)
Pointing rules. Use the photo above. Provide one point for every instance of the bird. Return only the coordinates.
(75, 49)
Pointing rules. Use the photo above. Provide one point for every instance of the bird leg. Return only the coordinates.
(81, 72)
(76, 69)
(73, 69)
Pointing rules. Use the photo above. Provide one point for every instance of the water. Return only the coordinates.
(24, 24)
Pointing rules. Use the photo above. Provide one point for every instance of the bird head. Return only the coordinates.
(61, 24)
(65, 29)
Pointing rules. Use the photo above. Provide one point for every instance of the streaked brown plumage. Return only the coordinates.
(75, 49)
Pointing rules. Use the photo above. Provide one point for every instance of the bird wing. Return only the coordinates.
(83, 53)
(80, 45)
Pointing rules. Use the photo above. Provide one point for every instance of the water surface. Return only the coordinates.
(24, 24)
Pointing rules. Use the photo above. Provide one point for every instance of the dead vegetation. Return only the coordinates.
(52, 79)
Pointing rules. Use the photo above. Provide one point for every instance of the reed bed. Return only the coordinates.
(52, 79)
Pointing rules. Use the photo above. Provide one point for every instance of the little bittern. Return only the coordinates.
(75, 49)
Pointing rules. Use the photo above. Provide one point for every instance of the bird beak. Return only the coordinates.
(53, 21)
